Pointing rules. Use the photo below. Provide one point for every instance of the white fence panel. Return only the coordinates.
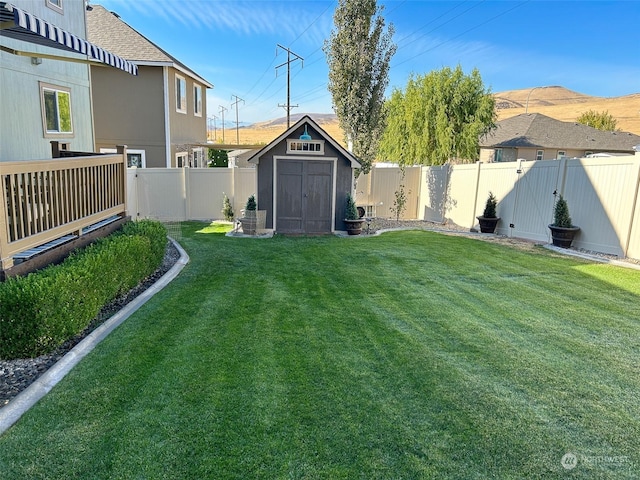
(207, 187)
(434, 193)
(600, 197)
(498, 178)
(377, 191)
(463, 187)
(245, 183)
(531, 200)
(161, 194)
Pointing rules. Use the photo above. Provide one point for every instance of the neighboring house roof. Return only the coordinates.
(306, 119)
(534, 130)
(108, 30)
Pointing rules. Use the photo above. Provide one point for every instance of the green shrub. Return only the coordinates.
(351, 212)
(561, 216)
(227, 209)
(42, 310)
(490, 206)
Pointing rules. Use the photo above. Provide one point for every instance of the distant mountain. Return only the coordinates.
(319, 118)
(566, 105)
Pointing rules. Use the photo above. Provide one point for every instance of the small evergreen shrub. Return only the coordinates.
(561, 216)
(42, 310)
(227, 209)
(251, 204)
(490, 206)
(351, 212)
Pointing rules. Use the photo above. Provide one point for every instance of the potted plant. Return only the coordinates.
(488, 220)
(249, 218)
(562, 229)
(352, 219)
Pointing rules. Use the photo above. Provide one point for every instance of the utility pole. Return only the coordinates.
(215, 130)
(222, 110)
(288, 106)
(238, 100)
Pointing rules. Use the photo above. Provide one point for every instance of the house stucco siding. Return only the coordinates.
(21, 126)
(186, 128)
(129, 111)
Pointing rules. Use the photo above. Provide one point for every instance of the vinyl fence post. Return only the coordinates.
(634, 208)
(475, 197)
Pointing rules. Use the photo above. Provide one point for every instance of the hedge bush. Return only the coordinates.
(42, 310)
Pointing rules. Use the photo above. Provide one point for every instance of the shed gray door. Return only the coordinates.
(304, 196)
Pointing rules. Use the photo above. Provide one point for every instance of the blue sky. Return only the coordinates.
(591, 47)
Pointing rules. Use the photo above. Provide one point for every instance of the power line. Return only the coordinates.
(441, 25)
(311, 24)
(461, 34)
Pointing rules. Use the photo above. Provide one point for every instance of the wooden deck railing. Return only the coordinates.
(46, 199)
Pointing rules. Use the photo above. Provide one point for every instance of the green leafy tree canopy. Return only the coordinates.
(439, 117)
(600, 120)
(358, 53)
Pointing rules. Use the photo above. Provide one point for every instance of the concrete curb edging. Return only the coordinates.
(595, 258)
(11, 413)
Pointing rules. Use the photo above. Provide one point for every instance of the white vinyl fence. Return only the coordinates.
(603, 196)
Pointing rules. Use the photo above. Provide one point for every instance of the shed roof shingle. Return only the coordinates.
(537, 130)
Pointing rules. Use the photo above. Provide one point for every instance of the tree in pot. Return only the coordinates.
(249, 219)
(488, 220)
(562, 229)
(352, 219)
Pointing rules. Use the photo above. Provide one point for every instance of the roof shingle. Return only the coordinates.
(539, 131)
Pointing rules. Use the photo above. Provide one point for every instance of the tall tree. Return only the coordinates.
(358, 53)
(600, 120)
(439, 117)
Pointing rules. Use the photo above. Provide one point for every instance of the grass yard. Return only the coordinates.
(405, 356)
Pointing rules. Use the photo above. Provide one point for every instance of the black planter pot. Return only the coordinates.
(563, 236)
(488, 225)
(354, 227)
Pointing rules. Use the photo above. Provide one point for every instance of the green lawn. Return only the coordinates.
(408, 355)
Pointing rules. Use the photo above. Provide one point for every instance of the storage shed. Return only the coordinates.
(304, 177)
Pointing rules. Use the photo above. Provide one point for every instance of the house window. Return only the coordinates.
(55, 5)
(198, 158)
(56, 110)
(197, 100)
(539, 154)
(182, 160)
(561, 154)
(497, 157)
(315, 147)
(181, 94)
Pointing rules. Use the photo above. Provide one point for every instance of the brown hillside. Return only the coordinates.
(264, 132)
(566, 105)
(554, 101)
